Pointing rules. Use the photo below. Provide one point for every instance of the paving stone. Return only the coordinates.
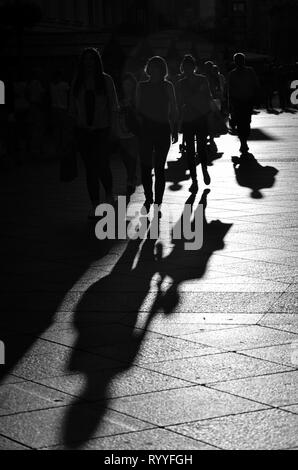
(285, 354)
(293, 288)
(50, 365)
(269, 255)
(218, 367)
(183, 405)
(260, 430)
(291, 408)
(275, 390)
(27, 396)
(287, 303)
(264, 241)
(7, 444)
(285, 322)
(232, 284)
(10, 379)
(201, 320)
(185, 329)
(67, 425)
(41, 347)
(87, 319)
(154, 348)
(156, 439)
(84, 336)
(264, 270)
(217, 302)
(242, 338)
(114, 383)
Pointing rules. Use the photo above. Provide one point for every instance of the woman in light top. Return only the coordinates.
(157, 109)
(94, 104)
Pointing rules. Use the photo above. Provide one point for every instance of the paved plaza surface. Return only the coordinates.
(142, 345)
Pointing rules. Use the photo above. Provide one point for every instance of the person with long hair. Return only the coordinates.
(157, 109)
(94, 103)
(129, 130)
(194, 104)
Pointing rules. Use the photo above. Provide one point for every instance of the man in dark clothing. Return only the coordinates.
(243, 89)
(194, 104)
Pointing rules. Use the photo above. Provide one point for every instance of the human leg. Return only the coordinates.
(244, 123)
(85, 147)
(202, 136)
(189, 133)
(146, 156)
(129, 155)
(102, 155)
(162, 146)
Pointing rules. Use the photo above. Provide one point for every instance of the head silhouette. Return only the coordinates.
(188, 65)
(239, 59)
(208, 67)
(90, 64)
(157, 69)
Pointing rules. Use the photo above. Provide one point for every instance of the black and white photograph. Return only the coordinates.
(149, 227)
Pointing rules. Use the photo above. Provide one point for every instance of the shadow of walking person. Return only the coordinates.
(185, 265)
(176, 173)
(124, 293)
(251, 174)
(120, 293)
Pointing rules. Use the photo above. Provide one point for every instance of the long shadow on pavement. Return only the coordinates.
(251, 174)
(122, 293)
(46, 247)
(176, 171)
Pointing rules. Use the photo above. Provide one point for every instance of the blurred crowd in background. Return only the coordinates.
(37, 103)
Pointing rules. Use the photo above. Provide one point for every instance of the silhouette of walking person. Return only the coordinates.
(157, 108)
(129, 130)
(94, 104)
(243, 89)
(194, 104)
(214, 85)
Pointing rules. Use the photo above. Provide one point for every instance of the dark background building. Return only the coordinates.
(133, 29)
